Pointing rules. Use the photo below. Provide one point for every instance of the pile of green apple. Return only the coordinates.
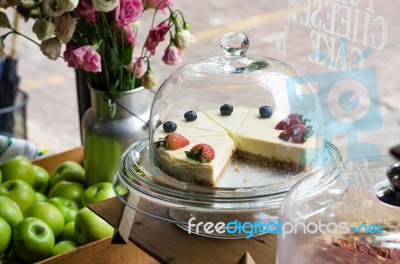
(45, 214)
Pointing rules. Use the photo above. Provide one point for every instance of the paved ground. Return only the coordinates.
(358, 109)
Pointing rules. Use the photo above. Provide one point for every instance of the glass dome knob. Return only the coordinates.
(393, 174)
(391, 194)
(234, 44)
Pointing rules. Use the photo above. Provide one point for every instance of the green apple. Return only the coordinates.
(40, 197)
(121, 190)
(67, 207)
(19, 191)
(10, 211)
(32, 240)
(69, 232)
(97, 192)
(68, 171)
(18, 168)
(63, 247)
(90, 227)
(69, 190)
(10, 258)
(5, 238)
(41, 179)
(49, 213)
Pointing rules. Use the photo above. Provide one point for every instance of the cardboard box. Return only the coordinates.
(100, 251)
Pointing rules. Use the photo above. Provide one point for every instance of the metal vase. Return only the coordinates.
(109, 127)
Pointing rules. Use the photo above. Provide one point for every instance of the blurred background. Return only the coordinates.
(347, 51)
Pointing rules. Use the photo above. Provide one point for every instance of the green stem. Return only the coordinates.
(22, 35)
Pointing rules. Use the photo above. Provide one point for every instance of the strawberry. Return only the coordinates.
(295, 119)
(297, 133)
(283, 124)
(201, 152)
(172, 141)
(290, 120)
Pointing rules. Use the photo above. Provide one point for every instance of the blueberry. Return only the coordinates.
(266, 111)
(169, 126)
(190, 116)
(226, 109)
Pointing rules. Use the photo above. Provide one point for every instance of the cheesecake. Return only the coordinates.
(241, 135)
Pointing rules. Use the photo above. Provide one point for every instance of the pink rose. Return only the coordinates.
(128, 11)
(156, 35)
(89, 59)
(85, 9)
(127, 34)
(161, 3)
(69, 56)
(84, 57)
(138, 66)
(172, 55)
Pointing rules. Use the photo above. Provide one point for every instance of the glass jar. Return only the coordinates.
(343, 214)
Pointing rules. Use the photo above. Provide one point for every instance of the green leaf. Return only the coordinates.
(196, 155)
(126, 55)
(4, 22)
(112, 58)
(308, 133)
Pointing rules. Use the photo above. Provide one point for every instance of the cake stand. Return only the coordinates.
(148, 190)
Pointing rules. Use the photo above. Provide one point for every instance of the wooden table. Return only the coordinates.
(167, 243)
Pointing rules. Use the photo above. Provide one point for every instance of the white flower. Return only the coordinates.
(183, 39)
(104, 5)
(52, 8)
(43, 28)
(51, 48)
(68, 5)
(65, 27)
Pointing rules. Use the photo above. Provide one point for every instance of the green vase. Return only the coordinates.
(109, 128)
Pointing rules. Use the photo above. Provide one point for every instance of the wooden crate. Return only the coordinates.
(100, 251)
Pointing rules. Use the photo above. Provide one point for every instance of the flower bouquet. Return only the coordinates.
(98, 37)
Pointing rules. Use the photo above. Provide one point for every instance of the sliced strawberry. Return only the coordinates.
(283, 124)
(296, 134)
(295, 119)
(201, 152)
(172, 141)
(290, 120)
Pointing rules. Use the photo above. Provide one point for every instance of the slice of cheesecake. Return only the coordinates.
(176, 164)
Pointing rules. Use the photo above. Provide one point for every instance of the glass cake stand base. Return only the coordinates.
(242, 209)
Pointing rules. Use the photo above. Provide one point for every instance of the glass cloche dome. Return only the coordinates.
(240, 81)
(344, 214)
(236, 79)
(229, 136)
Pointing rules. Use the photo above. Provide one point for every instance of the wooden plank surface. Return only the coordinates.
(168, 243)
(102, 252)
(51, 162)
